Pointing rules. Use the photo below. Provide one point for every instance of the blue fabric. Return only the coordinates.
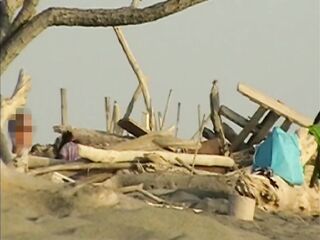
(280, 151)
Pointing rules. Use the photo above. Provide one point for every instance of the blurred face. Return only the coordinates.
(20, 130)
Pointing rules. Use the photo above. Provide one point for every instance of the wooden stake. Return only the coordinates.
(199, 116)
(159, 119)
(215, 117)
(64, 106)
(107, 107)
(166, 109)
(178, 118)
(116, 118)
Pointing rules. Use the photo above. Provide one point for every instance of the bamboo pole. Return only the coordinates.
(107, 107)
(64, 106)
(166, 109)
(143, 85)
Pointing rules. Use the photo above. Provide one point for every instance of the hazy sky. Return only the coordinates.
(272, 45)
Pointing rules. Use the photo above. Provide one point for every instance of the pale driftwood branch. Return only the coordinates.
(284, 197)
(14, 44)
(143, 83)
(9, 107)
(112, 156)
(215, 117)
(5, 155)
(139, 188)
(64, 106)
(165, 110)
(18, 98)
(80, 166)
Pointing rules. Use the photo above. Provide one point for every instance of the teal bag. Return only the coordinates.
(281, 152)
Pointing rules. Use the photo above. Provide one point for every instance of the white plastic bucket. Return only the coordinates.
(241, 207)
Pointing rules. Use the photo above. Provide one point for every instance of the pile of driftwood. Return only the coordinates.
(141, 153)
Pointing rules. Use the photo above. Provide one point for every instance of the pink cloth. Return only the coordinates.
(70, 151)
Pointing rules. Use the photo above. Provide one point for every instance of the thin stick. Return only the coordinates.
(134, 98)
(139, 188)
(80, 166)
(199, 116)
(166, 109)
(107, 107)
(156, 123)
(199, 140)
(137, 70)
(178, 118)
(199, 131)
(64, 106)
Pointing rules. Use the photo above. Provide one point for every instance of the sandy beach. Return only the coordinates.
(36, 209)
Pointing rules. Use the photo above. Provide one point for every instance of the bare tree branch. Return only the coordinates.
(14, 44)
(26, 13)
(4, 20)
(12, 6)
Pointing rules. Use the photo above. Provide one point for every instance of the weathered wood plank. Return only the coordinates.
(248, 128)
(266, 124)
(286, 125)
(235, 117)
(132, 127)
(270, 103)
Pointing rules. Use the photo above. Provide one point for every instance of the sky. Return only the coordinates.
(271, 45)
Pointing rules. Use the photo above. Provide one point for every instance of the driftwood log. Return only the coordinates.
(278, 195)
(18, 98)
(112, 156)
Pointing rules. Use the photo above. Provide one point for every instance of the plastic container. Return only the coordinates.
(241, 207)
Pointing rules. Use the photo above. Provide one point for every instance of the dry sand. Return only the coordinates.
(31, 209)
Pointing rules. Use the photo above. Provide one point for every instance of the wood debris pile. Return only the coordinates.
(83, 157)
